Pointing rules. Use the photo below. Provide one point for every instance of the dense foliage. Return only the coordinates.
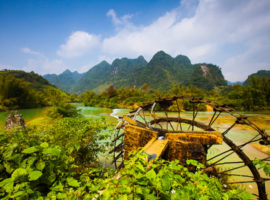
(165, 180)
(47, 163)
(254, 96)
(260, 73)
(19, 89)
(54, 164)
(128, 97)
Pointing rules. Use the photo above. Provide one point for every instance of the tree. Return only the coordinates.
(111, 91)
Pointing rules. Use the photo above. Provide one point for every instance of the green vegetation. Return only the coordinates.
(61, 163)
(206, 76)
(252, 97)
(64, 80)
(19, 89)
(159, 74)
(166, 180)
(47, 163)
(260, 73)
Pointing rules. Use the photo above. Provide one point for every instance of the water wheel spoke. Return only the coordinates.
(219, 155)
(178, 116)
(221, 159)
(228, 129)
(232, 169)
(214, 118)
(117, 157)
(238, 182)
(117, 148)
(118, 137)
(168, 121)
(241, 175)
(228, 163)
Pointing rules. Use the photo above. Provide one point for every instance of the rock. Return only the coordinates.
(14, 120)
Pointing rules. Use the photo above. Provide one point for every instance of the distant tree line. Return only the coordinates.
(254, 96)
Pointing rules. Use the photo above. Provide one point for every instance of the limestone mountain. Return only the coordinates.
(161, 72)
(65, 80)
(120, 74)
(93, 78)
(260, 73)
(206, 76)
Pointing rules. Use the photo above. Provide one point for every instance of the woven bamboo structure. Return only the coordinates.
(187, 138)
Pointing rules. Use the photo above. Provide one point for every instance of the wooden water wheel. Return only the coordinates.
(210, 137)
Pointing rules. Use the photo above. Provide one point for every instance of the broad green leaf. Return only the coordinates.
(40, 165)
(34, 175)
(20, 193)
(30, 150)
(61, 196)
(151, 174)
(44, 145)
(72, 182)
(6, 181)
(9, 187)
(70, 149)
(8, 167)
(18, 173)
(51, 151)
(77, 146)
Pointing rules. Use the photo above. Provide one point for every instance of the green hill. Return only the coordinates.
(260, 73)
(19, 89)
(65, 80)
(161, 72)
(206, 76)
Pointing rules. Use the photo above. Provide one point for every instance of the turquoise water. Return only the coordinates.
(95, 112)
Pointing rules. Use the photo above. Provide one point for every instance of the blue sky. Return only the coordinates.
(51, 36)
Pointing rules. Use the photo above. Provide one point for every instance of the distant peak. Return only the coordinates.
(104, 62)
(181, 59)
(67, 71)
(161, 53)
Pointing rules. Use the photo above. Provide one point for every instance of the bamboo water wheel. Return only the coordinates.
(209, 137)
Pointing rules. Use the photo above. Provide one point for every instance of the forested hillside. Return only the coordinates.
(161, 72)
(260, 73)
(65, 80)
(19, 89)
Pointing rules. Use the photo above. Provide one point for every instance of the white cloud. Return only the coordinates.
(43, 65)
(29, 51)
(78, 44)
(232, 34)
(203, 35)
(124, 20)
(9, 67)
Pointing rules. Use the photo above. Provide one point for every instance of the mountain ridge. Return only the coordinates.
(161, 72)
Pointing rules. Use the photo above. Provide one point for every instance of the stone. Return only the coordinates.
(14, 120)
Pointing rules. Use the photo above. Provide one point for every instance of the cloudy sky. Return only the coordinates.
(51, 36)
